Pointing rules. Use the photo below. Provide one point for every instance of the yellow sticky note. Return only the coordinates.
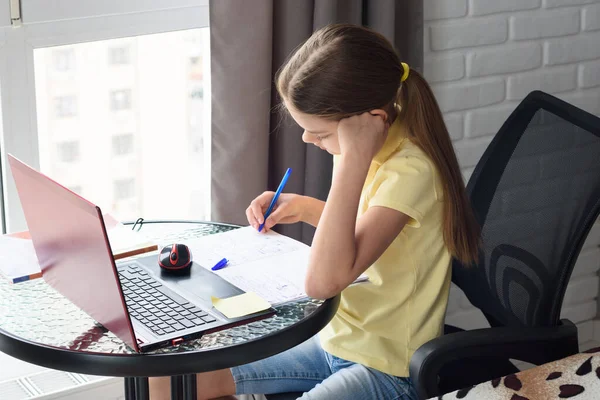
(238, 306)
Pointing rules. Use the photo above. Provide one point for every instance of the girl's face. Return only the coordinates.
(318, 131)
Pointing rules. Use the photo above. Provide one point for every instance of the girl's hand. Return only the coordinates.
(362, 135)
(288, 210)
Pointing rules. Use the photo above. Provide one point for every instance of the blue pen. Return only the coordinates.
(277, 193)
(220, 265)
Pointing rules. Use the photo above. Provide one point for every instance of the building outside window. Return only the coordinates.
(65, 106)
(120, 100)
(123, 144)
(68, 152)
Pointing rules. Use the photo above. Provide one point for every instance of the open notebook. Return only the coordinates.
(269, 264)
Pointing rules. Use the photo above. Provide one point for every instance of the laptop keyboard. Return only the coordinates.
(157, 307)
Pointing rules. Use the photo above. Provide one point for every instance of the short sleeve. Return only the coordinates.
(406, 183)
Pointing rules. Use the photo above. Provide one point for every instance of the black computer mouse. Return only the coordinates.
(175, 257)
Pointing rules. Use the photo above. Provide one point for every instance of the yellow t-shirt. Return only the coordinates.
(380, 324)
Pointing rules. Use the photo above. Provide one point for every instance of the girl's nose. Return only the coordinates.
(306, 138)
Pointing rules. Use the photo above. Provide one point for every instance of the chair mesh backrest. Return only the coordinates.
(536, 193)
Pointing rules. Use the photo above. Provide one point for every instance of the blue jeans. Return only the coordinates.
(319, 375)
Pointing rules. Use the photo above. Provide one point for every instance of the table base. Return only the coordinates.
(183, 387)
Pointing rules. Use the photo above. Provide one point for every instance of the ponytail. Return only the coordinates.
(423, 117)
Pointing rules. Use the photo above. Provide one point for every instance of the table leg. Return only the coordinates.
(142, 390)
(130, 388)
(177, 387)
(190, 391)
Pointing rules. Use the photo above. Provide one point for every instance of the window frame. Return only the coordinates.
(38, 30)
(38, 11)
(4, 13)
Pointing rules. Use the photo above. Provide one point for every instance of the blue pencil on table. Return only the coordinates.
(274, 201)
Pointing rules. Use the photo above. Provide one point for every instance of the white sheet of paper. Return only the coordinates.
(269, 264)
(17, 258)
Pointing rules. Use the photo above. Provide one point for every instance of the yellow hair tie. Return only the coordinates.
(406, 71)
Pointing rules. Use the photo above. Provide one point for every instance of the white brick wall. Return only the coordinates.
(591, 18)
(553, 80)
(464, 96)
(479, 32)
(566, 3)
(484, 56)
(484, 7)
(504, 60)
(561, 22)
(574, 49)
(589, 74)
(434, 9)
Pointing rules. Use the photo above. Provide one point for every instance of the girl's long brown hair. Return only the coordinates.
(344, 70)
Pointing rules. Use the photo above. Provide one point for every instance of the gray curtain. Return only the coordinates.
(252, 145)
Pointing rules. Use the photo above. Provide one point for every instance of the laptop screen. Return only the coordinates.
(70, 241)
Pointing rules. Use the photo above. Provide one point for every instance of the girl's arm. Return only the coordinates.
(343, 248)
(313, 209)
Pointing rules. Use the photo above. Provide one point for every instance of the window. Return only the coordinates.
(128, 135)
(196, 68)
(124, 189)
(65, 106)
(100, 69)
(118, 55)
(68, 151)
(122, 144)
(56, 80)
(120, 100)
(64, 60)
(197, 93)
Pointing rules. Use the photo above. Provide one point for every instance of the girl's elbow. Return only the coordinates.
(320, 289)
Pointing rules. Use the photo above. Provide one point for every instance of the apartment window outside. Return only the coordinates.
(65, 106)
(122, 144)
(119, 55)
(68, 152)
(124, 189)
(197, 93)
(120, 100)
(64, 60)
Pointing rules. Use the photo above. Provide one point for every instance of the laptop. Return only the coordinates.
(142, 305)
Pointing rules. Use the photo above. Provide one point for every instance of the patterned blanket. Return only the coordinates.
(576, 377)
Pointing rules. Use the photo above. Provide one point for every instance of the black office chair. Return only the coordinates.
(536, 194)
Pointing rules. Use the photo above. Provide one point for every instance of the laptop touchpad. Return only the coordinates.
(198, 283)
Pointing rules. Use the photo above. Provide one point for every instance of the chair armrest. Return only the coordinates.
(537, 345)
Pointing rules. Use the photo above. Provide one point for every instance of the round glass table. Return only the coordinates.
(38, 325)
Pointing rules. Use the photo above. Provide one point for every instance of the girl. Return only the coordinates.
(397, 211)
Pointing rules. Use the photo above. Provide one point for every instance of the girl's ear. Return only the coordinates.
(380, 113)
